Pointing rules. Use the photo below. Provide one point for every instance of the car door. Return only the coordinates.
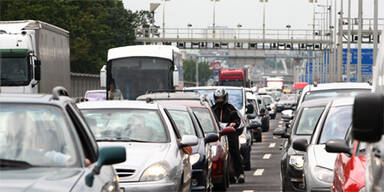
(89, 150)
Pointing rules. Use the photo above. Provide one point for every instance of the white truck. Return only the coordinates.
(34, 57)
(275, 83)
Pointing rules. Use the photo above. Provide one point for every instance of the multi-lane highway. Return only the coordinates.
(265, 164)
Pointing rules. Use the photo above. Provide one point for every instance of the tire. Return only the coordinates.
(258, 137)
(224, 184)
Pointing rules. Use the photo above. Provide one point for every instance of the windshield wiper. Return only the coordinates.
(14, 163)
(119, 140)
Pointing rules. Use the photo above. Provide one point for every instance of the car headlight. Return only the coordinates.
(194, 158)
(324, 174)
(113, 186)
(154, 173)
(242, 139)
(297, 161)
(213, 150)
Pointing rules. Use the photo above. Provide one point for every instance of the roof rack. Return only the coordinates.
(59, 91)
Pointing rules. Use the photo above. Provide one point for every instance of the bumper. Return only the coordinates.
(148, 186)
(294, 179)
(198, 180)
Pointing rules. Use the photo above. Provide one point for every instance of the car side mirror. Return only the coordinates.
(300, 144)
(262, 112)
(337, 146)
(107, 156)
(188, 140)
(278, 132)
(286, 135)
(288, 125)
(228, 131)
(251, 116)
(250, 109)
(277, 99)
(211, 137)
(367, 117)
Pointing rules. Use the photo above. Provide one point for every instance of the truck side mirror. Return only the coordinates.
(103, 77)
(37, 70)
(367, 117)
(175, 78)
(249, 109)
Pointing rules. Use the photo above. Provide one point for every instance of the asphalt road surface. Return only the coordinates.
(265, 164)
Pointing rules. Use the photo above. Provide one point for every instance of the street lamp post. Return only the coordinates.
(189, 30)
(340, 44)
(238, 30)
(164, 17)
(263, 1)
(313, 30)
(359, 34)
(214, 18)
(288, 27)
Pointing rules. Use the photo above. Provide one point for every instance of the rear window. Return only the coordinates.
(308, 120)
(337, 123)
(183, 122)
(205, 119)
(333, 93)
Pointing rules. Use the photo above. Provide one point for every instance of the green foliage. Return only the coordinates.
(94, 25)
(189, 69)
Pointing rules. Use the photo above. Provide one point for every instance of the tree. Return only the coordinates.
(189, 69)
(94, 26)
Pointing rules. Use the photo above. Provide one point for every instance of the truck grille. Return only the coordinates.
(123, 173)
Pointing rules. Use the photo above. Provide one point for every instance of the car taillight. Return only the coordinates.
(214, 165)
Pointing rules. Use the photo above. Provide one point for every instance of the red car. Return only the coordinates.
(349, 170)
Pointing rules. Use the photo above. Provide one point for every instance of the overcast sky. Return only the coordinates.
(248, 13)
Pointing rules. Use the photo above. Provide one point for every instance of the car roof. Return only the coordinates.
(316, 102)
(340, 85)
(34, 99)
(342, 101)
(187, 103)
(171, 96)
(212, 87)
(97, 91)
(121, 104)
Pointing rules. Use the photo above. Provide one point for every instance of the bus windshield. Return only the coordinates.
(134, 76)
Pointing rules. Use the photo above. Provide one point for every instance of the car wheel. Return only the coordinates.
(224, 184)
(258, 137)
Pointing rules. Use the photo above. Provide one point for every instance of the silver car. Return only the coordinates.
(318, 163)
(157, 156)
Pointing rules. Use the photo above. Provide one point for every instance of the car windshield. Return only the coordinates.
(308, 120)
(287, 98)
(337, 123)
(267, 100)
(126, 125)
(183, 122)
(311, 95)
(235, 96)
(35, 135)
(205, 119)
(96, 96)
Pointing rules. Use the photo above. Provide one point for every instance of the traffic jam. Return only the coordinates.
(145, 131)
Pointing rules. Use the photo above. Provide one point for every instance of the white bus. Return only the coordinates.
(134, 70)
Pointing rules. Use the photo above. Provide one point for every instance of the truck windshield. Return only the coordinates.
(134, 76)
(14, 71)
(236, 83)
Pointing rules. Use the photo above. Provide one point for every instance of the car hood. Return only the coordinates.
(140, 155)
(323, 158)
(39, 179)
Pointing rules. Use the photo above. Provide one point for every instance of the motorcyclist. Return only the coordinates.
(227, 113)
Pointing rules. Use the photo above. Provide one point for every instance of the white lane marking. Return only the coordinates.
(258, 172)
(247, 190)
(267, 156)
(272, 145)
(280, 121)
(280, 126)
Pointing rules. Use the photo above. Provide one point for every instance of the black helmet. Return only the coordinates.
(221, 93)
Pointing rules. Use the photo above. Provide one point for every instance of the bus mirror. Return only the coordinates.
(103, 77)
(175, 78)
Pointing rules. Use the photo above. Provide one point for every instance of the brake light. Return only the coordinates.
(214, 165)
